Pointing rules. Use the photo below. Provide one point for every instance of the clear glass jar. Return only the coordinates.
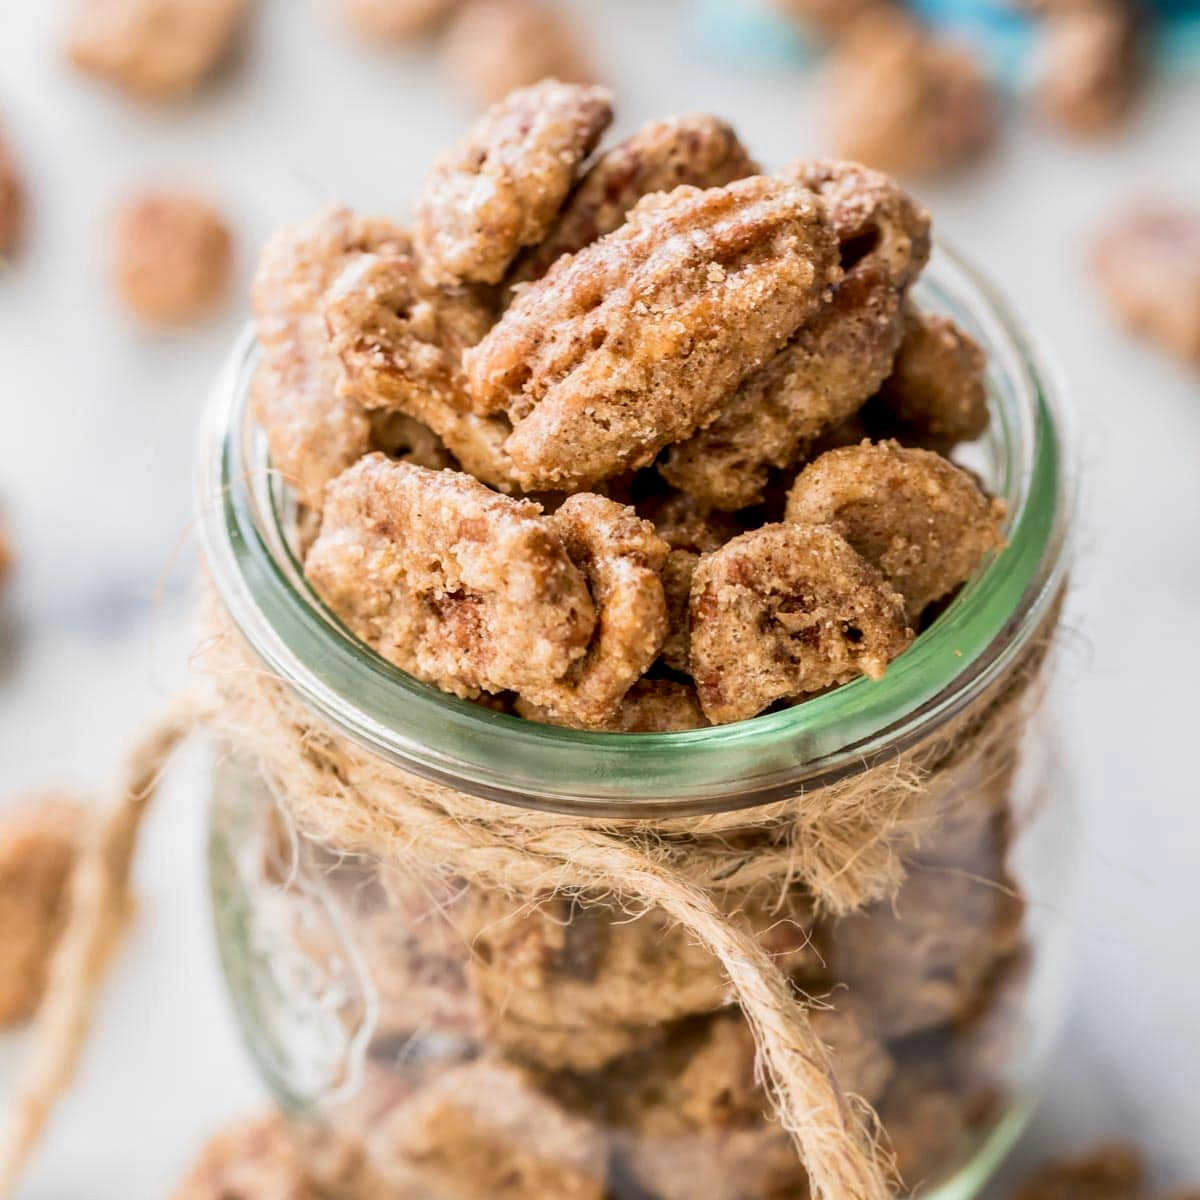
(469, 1043)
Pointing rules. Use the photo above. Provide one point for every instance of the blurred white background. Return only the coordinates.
(98, 420)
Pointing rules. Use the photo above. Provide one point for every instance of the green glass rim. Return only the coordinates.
(490, 754)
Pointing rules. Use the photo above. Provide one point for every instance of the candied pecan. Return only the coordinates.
(270, 1158)
(314, 432)
(256, 1159)
(154, 49)
(936, 387)
(396, 19)
(784, 611)
(399, 341)
(1092, 64)
(417, 957)
(622, 558)
(914, 515)
(39, 839)
(923, 959)
(861, 1061)
(1148, 264)
(924, 1119)
(834, 362)
(502, 186)
(173, 257)
(904, 100)
(494, 46)
(699, 150)
(485, 1128)
(12, 200)
(634, 342)
(459, 586)
(1110, 1172)
(650, 706)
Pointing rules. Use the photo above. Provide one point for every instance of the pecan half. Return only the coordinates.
(917, 517)
(834, 363)
(502, 186)
(459, 586)
(399, 341)
(154, 49)
(906, 100)
(936, 388)
(1147, 262)
(1094, 64)
(785, 611)
(634, 342)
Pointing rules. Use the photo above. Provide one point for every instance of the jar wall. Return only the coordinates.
(477, 1044)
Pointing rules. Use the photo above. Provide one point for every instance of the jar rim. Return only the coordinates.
(769, 757)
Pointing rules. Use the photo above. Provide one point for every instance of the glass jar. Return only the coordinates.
(469, 1041)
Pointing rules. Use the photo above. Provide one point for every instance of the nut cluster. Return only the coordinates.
(634, 439)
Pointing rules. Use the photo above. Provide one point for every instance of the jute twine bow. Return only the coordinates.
(844, 842)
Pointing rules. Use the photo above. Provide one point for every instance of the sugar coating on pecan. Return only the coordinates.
(936, 388)
(39, 841)
(834, 362)
(313, 430)
(154, 49)
(785, 611)
(622, 558)
(500, 189)
(397, 20)
(1093, 64)
(1147, 262)
(172, 257)
(634, 342)
(399, 341)
(905, 100)
(911, 513)
(12, 200)
(1111, 1172)
(494, 46)
(485, 1128)
(459, 586)
(699, 150)
(922, 960)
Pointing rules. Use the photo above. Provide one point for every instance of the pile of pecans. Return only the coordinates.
(631, 439)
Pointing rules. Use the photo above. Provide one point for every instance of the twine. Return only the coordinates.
(845, 842)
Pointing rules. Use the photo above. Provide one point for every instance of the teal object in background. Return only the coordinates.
(752, 31)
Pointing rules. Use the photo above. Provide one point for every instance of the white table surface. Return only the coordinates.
(95, 442)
